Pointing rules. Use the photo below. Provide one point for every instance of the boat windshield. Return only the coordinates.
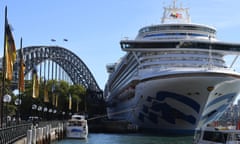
(220, 137)
(214, 136)
(76, 123)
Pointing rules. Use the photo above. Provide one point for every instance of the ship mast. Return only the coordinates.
(173, 14)
(174, 3)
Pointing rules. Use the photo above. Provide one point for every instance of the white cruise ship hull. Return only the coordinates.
(177, 103)
(174, 77)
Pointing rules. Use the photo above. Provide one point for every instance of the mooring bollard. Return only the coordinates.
(39, 135)
(34, 136)
(49, 133)
(41, 132)
(44, 135)
(29, 137)
(62, 129)
(58, 132)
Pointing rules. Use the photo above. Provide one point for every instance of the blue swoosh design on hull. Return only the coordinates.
(212, 114)
(187, 101)
(161, 109)
(221, 98)
(170, 114)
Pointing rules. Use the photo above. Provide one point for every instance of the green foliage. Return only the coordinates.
(60, 88)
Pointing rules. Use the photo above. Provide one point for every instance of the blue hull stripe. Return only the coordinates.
(164, 94)
(221, 98)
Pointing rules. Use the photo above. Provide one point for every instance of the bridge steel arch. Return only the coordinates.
(67, 60)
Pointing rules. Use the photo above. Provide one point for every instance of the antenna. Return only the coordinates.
(174, 3)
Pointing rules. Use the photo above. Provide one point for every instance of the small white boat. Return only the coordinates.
(211, 135)
(77, 127)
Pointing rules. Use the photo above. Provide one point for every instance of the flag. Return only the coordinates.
(35, 93)
(45, 92)
(53, 99)
(56, 98)
(77, 106)
(9, 52)
(21, 73)
(176, 15)
(70, 102)
(53, 96)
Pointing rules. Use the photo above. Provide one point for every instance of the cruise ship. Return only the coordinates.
(174, 77)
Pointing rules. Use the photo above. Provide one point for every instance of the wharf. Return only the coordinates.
(54, 136)
(102, 126)
(56, 133)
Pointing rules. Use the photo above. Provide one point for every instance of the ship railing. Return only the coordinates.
(184, 69)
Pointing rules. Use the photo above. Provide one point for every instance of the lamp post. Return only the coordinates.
(18, 102)
(34, 107)
(54, 113)
(39, 112)
(7, 99)
(45, 109)
(50, 111)
(63, 114)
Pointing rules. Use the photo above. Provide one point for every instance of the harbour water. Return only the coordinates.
(102, 138)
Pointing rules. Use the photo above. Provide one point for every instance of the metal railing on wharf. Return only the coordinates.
(14, 132)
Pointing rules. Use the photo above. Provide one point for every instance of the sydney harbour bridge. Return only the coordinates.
(58, 63)
(63, 59)
(53, 63)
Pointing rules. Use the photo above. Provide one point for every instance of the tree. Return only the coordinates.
(78, 93)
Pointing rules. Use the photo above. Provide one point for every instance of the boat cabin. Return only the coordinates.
(211, 135)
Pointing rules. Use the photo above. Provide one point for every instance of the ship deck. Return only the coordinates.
(152, 45)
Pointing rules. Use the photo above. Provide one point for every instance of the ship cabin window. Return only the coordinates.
(178, 35)
(177, 27)
(180, 58)
(125, 45)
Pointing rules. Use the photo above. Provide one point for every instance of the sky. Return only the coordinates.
(94, 28)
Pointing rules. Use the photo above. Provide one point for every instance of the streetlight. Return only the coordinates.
(7, 99)
(45, 109)
(50, 111)
(18, 102)
(63, 113)
(54, 112)
(39, 111)
(34, 107)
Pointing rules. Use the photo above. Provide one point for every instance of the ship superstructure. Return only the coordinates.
(173, 77)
